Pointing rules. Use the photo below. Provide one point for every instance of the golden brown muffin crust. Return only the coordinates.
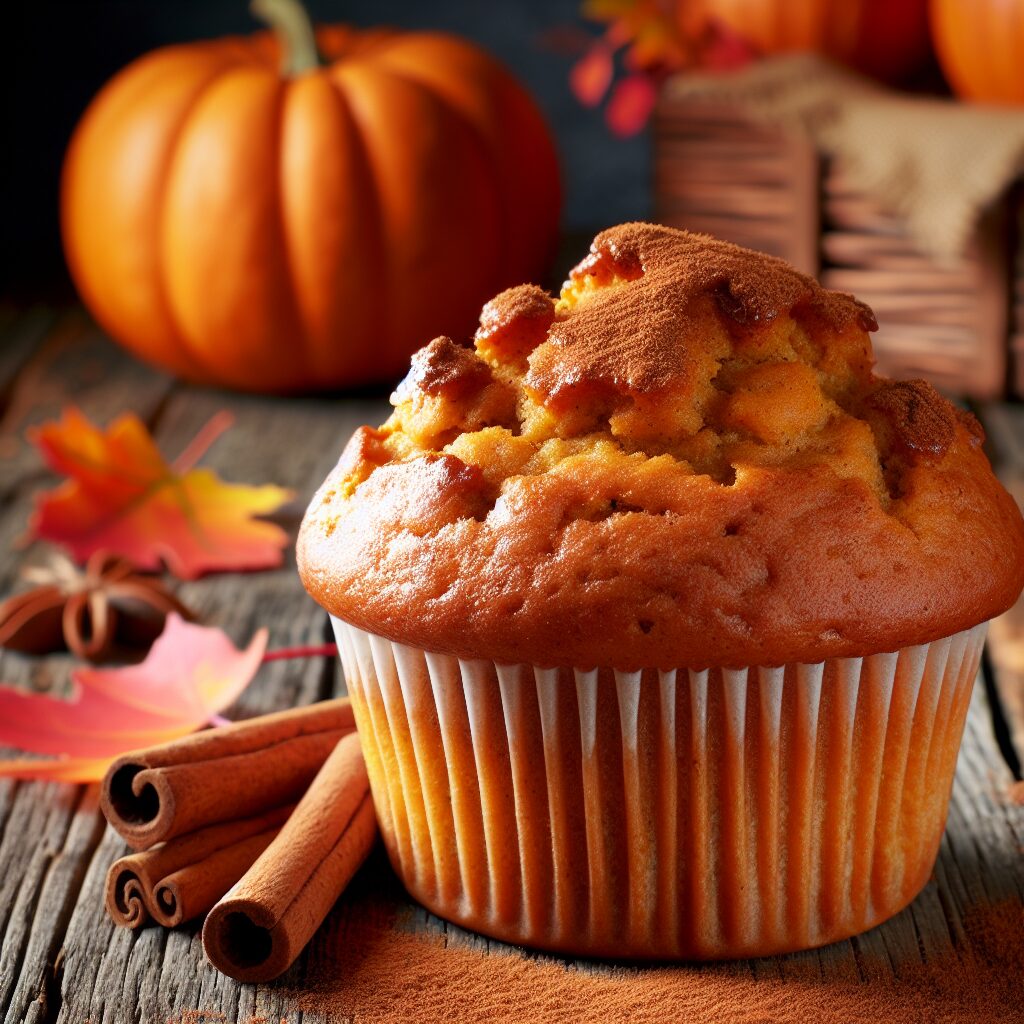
(685, 460)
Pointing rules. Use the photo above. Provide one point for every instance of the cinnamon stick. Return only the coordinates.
(258, 929)
(181, 879)
(235, 771)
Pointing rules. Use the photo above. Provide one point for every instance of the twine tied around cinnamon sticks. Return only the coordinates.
(215, 822)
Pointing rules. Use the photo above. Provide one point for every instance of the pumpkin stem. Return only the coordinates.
(294, 30)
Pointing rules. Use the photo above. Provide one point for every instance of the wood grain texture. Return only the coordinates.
(61, 959)
(20, 335)
(716, 171)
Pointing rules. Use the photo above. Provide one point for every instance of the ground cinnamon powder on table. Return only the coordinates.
(372, 967)
(216, 1017)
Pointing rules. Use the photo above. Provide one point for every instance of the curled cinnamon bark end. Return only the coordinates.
(239, 770)
(180, 880)
(124, 896)
(264, 922)
(137, 801)
(190, 891)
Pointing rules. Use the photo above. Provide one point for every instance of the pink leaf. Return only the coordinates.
(591, 75)
(630, 105)
(191, 673)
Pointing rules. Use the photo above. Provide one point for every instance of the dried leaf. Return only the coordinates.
(630, 105)
(191, 673)
(653, 45)
(122, 496)
(654, 40)
(591, 75)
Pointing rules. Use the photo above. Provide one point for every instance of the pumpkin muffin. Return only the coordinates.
(661, 611)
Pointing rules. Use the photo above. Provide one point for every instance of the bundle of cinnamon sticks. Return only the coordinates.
(259, 824)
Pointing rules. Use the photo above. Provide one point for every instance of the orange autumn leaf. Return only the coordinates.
(591, 75)
(191, 674)
(651, 40)
(121, 496)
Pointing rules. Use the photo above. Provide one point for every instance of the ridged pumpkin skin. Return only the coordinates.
(243, 228)
(884, 38)
(980, 44)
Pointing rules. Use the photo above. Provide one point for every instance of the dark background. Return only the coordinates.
(56, 54)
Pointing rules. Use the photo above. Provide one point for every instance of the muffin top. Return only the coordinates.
(684, 460)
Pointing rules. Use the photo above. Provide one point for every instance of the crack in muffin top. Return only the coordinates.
(681, 393)
(665, 343)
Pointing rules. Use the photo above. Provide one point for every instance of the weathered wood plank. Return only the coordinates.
(76, 364)
(292, 442)
(49, 839)
(1006, 650)
(20, 335)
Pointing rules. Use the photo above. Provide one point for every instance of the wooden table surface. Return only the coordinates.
(61, 959)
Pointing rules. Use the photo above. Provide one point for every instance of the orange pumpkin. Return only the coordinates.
(282, 230)
(980, 44)
(884, 38)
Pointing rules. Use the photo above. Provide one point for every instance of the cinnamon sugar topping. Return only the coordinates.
(606, 262)
(515, 322)
(975, 430)
(866, 316)
(648, 333)
(668, 343)
(923, 423)
(524, 302)
(444, 368)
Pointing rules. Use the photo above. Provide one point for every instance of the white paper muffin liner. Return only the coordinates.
(662, 814)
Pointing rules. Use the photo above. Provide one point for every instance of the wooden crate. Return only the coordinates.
(960, 325)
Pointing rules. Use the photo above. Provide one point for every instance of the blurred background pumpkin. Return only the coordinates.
(884, 38)
(293, 211)
(980, 45)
